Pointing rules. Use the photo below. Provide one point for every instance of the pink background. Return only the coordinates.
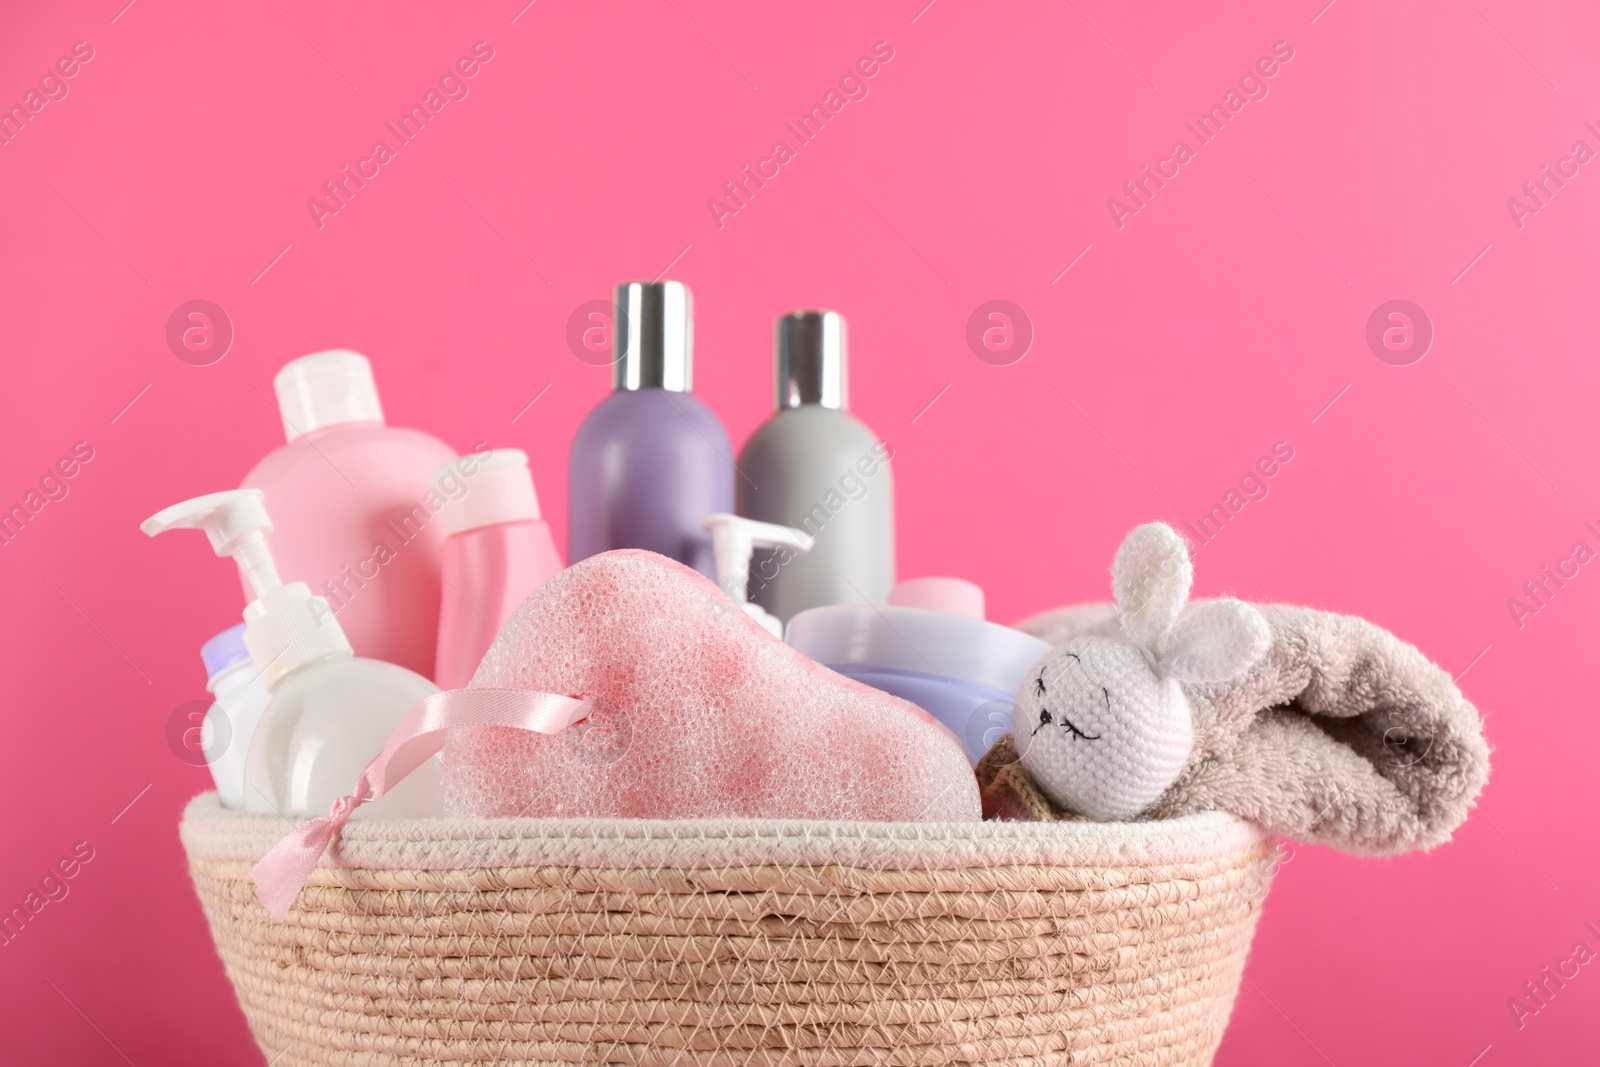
(1224, 317)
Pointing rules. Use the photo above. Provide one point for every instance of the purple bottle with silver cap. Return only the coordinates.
(651, 460)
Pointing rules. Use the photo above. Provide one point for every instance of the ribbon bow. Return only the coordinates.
(418, 736)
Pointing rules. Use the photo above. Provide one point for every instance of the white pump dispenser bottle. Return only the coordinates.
(734, 539)
(330, 711)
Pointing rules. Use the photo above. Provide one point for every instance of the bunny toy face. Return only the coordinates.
(1102, 725)
(1099, 732)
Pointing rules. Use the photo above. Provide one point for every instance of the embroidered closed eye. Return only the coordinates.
(1046, 719)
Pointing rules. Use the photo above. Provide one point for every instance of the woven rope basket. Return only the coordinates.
(739, 942)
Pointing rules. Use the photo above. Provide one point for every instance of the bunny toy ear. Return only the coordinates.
(1150, 578)
(1216, 641)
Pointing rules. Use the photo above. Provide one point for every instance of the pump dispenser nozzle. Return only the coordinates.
(733, 539)
(238, 526)
(287, 626)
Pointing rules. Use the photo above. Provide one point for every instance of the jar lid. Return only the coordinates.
(915, 639)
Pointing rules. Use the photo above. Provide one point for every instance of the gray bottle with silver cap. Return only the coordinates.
(816, 467)
(650, 461)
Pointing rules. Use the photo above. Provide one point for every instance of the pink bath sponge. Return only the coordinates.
(700, 714)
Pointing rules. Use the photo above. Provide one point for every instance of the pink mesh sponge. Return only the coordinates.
(700, 713)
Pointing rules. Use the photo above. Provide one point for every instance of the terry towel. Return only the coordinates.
(1342, 734)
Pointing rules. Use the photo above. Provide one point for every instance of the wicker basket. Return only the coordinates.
(740, 942)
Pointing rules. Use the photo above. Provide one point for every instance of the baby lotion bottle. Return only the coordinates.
(354, 520)
(650, 461)
(815, 466)
(496, 551)
(240, 698)
(330, 712)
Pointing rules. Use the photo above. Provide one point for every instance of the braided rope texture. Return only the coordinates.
(521, 941)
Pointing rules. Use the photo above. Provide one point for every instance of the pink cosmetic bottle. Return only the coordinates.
(496, 551)
(356, 518)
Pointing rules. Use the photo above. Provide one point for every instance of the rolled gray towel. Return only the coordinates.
(1342, 734)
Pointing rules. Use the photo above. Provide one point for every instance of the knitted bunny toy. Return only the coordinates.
(1101, 724)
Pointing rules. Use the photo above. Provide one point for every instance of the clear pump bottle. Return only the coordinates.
(330, 711)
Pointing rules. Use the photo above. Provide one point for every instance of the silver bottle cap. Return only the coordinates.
(653, 333)
(811, 365)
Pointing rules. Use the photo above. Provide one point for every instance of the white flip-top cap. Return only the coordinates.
(485, 489)
(286, 626)
(326, 389)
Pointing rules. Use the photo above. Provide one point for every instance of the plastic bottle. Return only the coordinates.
(330, 712)
(496, 551)
(231, 678)
(350, 496)
(815, 466)
(650, 461)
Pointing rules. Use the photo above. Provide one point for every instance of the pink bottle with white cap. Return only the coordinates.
(355, 514)
(496, 551)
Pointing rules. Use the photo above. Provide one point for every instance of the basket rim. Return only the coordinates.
(213, 833)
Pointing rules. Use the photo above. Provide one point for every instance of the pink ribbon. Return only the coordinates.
(421, 733)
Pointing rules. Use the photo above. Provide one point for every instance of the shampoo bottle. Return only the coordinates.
(330, 712)
(815, 466)
(350, 496)
(650, 461)
(496, 551)
(240, 698)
